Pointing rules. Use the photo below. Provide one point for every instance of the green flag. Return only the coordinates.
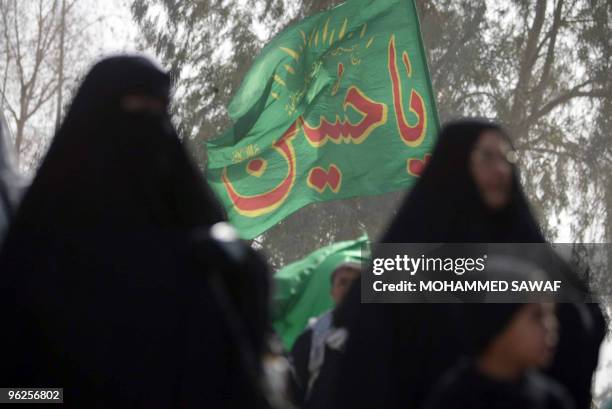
(302, 289)
(336, 106)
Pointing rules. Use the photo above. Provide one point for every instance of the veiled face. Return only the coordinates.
(490, 166)
(143, 103)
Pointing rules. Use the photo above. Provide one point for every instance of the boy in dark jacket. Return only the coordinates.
(509, 342)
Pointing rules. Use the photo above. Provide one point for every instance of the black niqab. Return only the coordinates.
(105, 165)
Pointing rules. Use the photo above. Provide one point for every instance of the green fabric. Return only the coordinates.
(336, 106)
(302, 289)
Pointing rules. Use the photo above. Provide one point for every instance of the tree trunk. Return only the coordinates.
(19, 138)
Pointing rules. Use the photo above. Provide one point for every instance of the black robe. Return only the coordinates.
(464, 387)
(102, 292)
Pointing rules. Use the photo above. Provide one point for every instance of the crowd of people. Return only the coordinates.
(122, 283)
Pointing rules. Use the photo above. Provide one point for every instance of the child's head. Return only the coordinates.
(528, 339)
(518, 336)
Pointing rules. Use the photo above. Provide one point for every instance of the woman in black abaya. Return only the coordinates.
(469, 193)
(104, 288)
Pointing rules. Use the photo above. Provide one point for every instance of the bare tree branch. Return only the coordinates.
(8, 105)
(45, 33)
(477, 94)
(564, 98)
(18, 55)
(45, 94)
(564, 153)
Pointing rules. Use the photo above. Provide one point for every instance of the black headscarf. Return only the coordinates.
(101, 292)
(445, 206)
(397, 352)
